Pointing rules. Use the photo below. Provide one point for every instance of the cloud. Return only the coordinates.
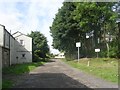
(29, 15)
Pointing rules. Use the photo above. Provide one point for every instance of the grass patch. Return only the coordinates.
(105, 68)
(21, 68)
(18, 69)
(7, 83)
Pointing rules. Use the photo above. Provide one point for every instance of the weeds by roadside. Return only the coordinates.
(18, 69)
(106, 68)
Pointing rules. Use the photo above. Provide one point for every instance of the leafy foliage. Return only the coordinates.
(76, 20)
(40, 46)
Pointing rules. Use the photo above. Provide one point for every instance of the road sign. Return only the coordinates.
(78, 44)
(97, 50)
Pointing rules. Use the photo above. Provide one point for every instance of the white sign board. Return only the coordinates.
(78, 44)
(87, 36)
(97, 50)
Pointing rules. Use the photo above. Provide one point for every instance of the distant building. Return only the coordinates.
(14, 49)
(24, 52)
(109, 38)
(60, 55)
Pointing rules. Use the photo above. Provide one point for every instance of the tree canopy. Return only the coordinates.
(76, 20)
(40, 46)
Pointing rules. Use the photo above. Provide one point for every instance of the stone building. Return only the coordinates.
(23, 46)
(14, 48)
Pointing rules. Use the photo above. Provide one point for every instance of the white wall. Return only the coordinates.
(12, 51)
(27, 42)
(25, 49)
(1, 35)
(7, 39)
(4, 36)
(20, 50)
(16, 49)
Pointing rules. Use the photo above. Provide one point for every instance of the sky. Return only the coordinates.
(29, 15)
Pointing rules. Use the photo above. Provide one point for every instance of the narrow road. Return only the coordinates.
(57, 74)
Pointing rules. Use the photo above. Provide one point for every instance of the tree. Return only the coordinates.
(63, 28)
(40, 46)
(74, 20)
(96, 17)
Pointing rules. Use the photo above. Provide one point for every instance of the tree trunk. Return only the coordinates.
(108, 49)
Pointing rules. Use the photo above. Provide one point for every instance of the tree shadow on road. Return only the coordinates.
(49, 80)
(51, 60)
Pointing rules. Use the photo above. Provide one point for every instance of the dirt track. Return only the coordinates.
(57, 74)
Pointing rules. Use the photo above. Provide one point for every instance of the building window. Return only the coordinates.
(23, 55)
(21, 42)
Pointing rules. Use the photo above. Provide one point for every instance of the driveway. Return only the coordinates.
(57, 74)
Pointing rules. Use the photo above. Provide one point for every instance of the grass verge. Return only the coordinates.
(18, 69)
(105, 68)
(21, 68)
(7, 83)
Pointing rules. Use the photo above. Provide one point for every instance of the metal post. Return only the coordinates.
(78, 44)
(97, 54)
(78, 54)
(108, 50)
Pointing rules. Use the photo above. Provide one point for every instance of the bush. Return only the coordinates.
(36, 58)
(103, 53)
(113, 52)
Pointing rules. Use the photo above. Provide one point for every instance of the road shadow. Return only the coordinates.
(49, 80)
(51, 60)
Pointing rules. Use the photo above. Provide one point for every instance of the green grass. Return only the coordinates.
(105, 68)
(18, 69)
(7, 83)
(21, 68)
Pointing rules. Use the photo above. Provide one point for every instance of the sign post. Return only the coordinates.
(78, 54)
(97, 50)
(78, 44)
